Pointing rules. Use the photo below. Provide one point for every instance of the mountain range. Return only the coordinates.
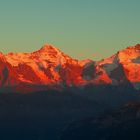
(49, 68)
(68, 97)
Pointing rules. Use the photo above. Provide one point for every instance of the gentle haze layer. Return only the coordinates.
(92, 29)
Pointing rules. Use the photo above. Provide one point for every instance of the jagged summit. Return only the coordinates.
(130, 53)
(48, 48)
(137, 47)
(132, 49)
(50, 52)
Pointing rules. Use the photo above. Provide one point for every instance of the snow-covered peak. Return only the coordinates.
(47, 54)
(50, 53)
(128, 54)
(47, 48)
(136, 47)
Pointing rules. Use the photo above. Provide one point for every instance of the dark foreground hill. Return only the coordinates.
(122, 124)
(45, 115)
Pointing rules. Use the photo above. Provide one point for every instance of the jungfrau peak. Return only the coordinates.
(51, 68)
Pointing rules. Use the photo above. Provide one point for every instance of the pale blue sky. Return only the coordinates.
(92, 29)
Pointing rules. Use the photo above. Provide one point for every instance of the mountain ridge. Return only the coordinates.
(50, 67)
